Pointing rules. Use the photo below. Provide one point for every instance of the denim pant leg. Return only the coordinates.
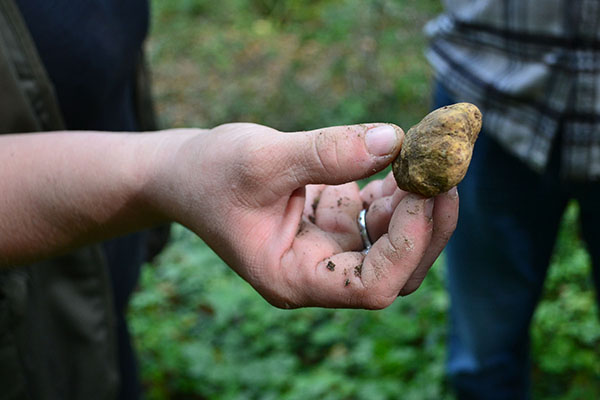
(496, 264)
(588, 197)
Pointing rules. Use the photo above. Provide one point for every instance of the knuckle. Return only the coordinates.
(325, 152)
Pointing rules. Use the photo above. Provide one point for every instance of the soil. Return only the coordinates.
(331, 266)
(358, 270)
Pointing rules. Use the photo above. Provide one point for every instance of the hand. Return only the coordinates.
(279, 209)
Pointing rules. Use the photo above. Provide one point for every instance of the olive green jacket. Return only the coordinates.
(57, 337)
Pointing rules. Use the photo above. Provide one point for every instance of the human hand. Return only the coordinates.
(281, 209)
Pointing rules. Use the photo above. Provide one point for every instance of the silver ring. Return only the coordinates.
(362, 229)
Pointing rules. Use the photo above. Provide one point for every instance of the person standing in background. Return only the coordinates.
(533, 68)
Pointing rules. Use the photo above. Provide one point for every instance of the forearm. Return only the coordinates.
(65, 189)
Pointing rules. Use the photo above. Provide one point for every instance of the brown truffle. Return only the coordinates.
(437, 151)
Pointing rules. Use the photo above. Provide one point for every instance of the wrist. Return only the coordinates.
(156, 177)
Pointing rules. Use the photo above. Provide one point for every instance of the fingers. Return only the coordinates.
(317, 273)
(377, 189)
(372, 192)
(313, 196)
(336, 282)
(380, 197)
(337, 213)
(298, 283)
(396, 255)
(341, 154)
(445, 216)
(380, 213)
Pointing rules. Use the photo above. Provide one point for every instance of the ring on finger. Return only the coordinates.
(362, 229)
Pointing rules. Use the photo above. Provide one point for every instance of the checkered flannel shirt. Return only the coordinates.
(533, 67)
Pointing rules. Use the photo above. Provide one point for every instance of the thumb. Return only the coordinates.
(342, 154)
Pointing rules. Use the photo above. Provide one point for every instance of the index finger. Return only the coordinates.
(395, 256)
(445, 216)
(378, 188)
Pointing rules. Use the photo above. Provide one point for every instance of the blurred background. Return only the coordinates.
(202, 332)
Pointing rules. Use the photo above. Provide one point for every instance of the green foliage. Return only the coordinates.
(202, 332)
(290, 64)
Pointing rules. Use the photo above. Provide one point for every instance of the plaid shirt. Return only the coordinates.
(533, 67)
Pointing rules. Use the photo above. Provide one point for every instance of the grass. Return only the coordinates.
(202, 332)
(290, 67)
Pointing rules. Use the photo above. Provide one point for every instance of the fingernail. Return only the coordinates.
(381, 140)
(453, 193)
(429, 208)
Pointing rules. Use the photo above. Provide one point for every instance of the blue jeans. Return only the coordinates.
(497, 261)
